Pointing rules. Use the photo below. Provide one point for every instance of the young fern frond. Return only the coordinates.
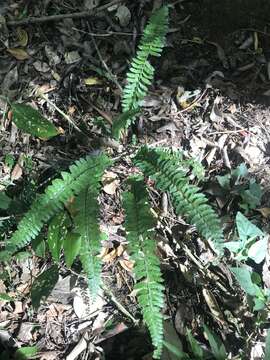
(139, 226)
(87, 225)
(141, 72)
(84, 173)
(169, 173)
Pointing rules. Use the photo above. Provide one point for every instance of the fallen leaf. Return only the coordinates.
(110, 182)
(22, 37)
(16, 172)
(92, 81)
(18, 53)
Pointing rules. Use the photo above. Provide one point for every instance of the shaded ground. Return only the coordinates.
(210, 99)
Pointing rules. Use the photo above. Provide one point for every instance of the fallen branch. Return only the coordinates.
(54, 18)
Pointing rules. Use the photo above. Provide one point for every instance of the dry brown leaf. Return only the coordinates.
(16, 172)
(127, 265)
(265, 212)
(110, 182)
(18, 307)
(18, 53)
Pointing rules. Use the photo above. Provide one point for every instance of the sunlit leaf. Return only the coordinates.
(258, 250)
(245, 228)
(31, 121)
(72, 245)
(26, 352)
(5, 297)
(243, 276)
(267, 347)
(58, 229)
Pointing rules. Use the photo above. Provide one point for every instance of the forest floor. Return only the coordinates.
(210, 99)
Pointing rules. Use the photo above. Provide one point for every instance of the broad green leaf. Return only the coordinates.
(26, 352)
(195, 347)
(224, 181)
(32, 122)
(4, 201)
(5, 297)
(43, 285)
(259, 304)
(58, 229)
(267, 346)
(240, 172)
(38, 245)
(252, 196)
(173, 348)
(245, 228)
(257, 251)
(216, 345)
(175, 353)
(233, 246)
(72, 245)
(243, 276)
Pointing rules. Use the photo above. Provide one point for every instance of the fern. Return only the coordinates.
(86, 223)
(139, 226)
(84, 173)
(141, 72)
(170, 174)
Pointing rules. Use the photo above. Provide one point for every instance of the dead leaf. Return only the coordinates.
(123, 14)
(110, 182)
(265, 212)
(92, 81)
(22, 37)
(213, 306)
(127, 265)
(16, 172)
(18, 53)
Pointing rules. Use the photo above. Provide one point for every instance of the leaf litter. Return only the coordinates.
(221, 118)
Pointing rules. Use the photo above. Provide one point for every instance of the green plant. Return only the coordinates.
(169, 171)
(140, 226)
(240, 186)
(250, 241)
(141, 72)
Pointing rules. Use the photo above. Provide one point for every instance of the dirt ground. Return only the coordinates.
(210, 99)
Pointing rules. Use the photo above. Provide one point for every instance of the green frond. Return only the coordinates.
(139, 226)
(170, 174)
(87, 225)
(85, 172)
(141, 72)
(123, 122)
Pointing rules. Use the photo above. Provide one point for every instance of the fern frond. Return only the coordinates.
(123, 122)
(87, 225)
(170, 174)
(85, 172)
(139, 226)
(141, 72)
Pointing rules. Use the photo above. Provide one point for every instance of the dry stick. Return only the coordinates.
(77, 15)
(69, 120)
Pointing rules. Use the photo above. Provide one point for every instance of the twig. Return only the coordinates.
(111, 296)
(61, 113)
(112, 77)
(53, 18)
